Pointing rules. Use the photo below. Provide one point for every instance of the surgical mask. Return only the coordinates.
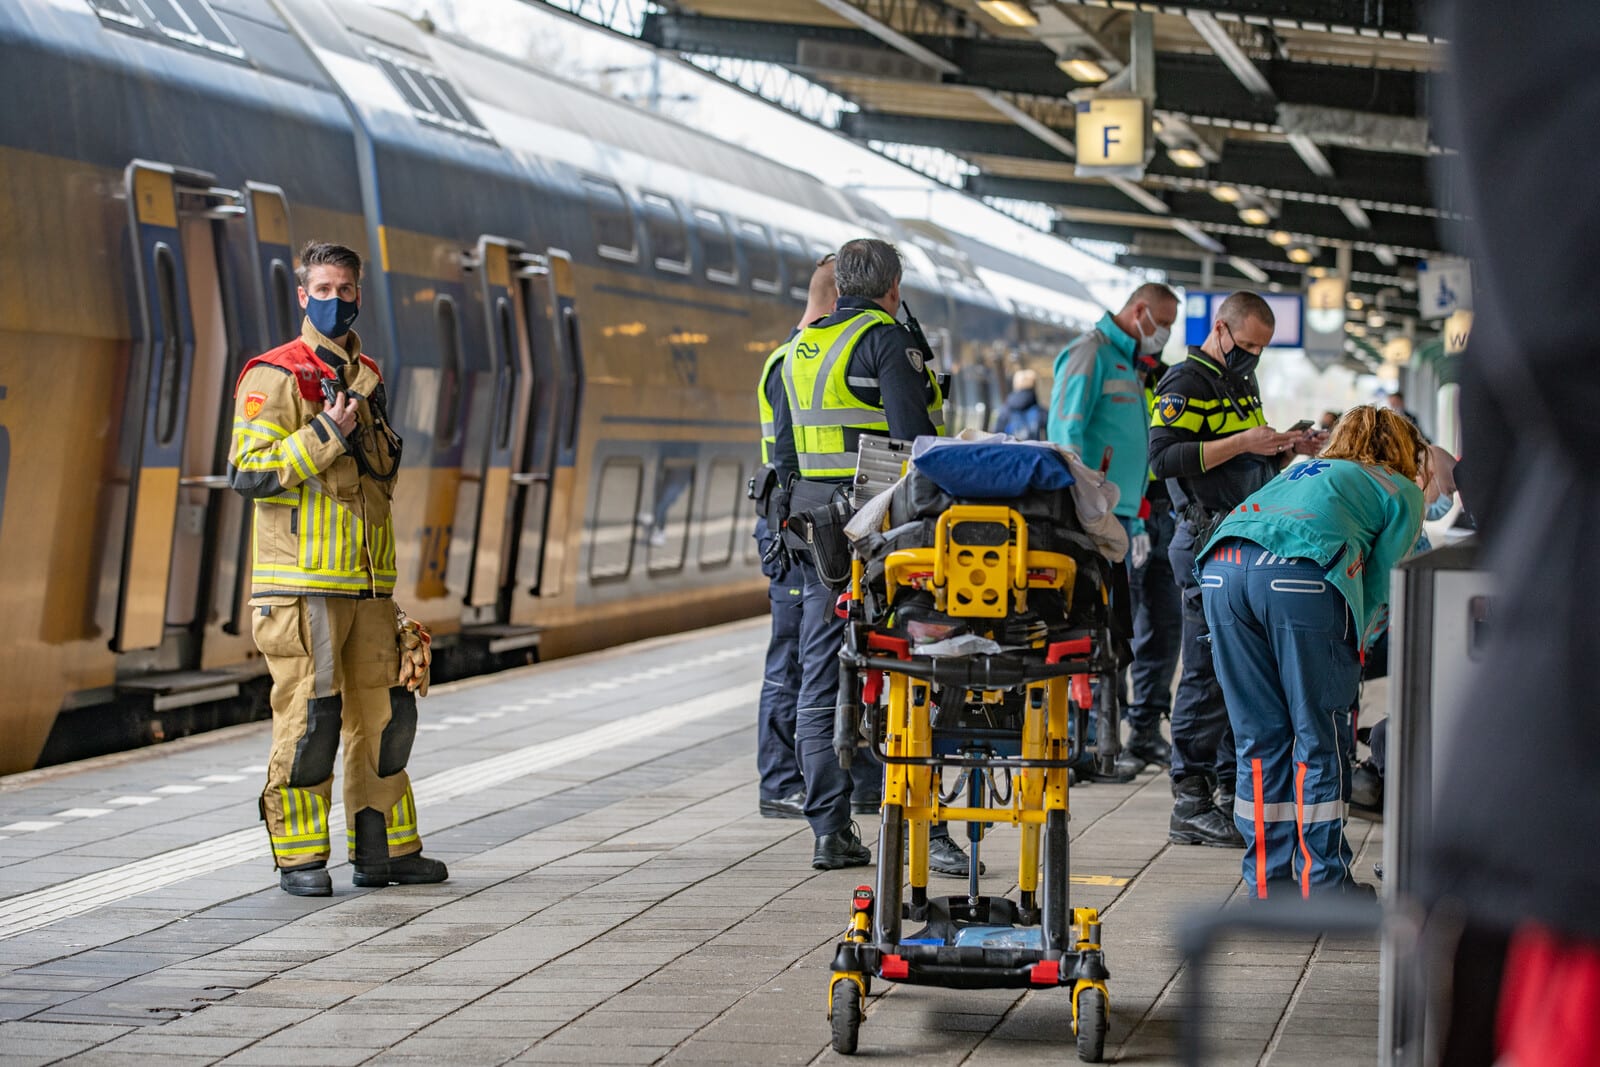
(332, 317)
(1152, 343)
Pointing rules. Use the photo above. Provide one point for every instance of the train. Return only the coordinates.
(569, 298)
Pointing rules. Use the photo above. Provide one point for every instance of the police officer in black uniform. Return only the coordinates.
(885, 376)
(1210, 440)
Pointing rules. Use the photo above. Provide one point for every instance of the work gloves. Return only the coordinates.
(1138, 550)
(416, 655)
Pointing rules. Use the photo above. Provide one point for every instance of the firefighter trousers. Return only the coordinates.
(335, 667)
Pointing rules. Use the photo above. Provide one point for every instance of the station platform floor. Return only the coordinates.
(614, 898)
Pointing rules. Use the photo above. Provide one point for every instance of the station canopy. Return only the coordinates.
(1283, 129)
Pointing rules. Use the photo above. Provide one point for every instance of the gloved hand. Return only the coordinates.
(1138, 550)
(416, 655)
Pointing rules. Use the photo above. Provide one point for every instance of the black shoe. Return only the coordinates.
(1130, 765)
(1087, 769)
(947, 857)
(1150, 746)
(1196, 820)
(842, 848)
(415, 869)
(1225, 798)
(310, 881)
(792, 806)
(866, 807)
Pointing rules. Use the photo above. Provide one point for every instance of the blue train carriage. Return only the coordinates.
(149, 169)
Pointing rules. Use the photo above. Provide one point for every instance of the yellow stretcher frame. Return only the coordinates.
(978, 581)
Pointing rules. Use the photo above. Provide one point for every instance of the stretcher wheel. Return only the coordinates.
(847, 1009)
(1092, 1023)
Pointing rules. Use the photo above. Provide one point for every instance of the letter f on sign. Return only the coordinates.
(1108, 140)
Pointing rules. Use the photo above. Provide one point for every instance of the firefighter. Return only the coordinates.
(312, 447)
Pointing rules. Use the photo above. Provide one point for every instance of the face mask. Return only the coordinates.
(1237, 359)
(1152, 343)
(332, 317)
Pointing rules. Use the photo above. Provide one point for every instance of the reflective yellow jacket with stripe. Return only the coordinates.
(322, 528)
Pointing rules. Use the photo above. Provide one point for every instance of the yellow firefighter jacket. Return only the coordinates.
(322, 525)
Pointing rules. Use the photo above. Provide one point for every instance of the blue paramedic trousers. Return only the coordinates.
(828, 786)
(780, 685)
(1286, 656)
(1202, 740)
(1157, 627)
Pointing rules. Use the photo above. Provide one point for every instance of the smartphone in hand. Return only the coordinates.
(1300, 427)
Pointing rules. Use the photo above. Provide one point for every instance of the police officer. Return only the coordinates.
(312, 447)
(1209, 438)
(783, 790)
(856, 371)
(1157, 610)
(1098, 410)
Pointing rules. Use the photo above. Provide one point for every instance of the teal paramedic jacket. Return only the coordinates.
(1098, 402)
(1355, 520)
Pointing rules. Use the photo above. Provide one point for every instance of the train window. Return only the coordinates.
(612, 219)
(759, 256)
(669, 238)
(117, 11)
(719, 513)
(430, 95)
(797, 264)
(447, 422)
(281, 301)
(716, 246)
(170, 395)
(506, 373)
(669, 515)
(190, 21)
(616, 511)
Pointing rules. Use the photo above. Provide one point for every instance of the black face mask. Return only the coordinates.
(1236, 359)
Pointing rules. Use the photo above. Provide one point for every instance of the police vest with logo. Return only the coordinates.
(828, 418)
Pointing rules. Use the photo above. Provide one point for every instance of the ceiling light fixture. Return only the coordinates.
(1376, 320)
(1248, 269)
(1009, 12)
(1083, 70)
(1385, 256)
(1354, 302)
(1186, 157)
(1225, 193)
(1281, 238)
(1300, 254)
(1254, 216)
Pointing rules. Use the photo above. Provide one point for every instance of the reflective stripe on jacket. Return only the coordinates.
(769, 433)
(321, 527)
(821, 405)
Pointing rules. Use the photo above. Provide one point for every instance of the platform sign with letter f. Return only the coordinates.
(1111, 135)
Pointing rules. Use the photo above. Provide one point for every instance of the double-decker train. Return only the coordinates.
(569, 298)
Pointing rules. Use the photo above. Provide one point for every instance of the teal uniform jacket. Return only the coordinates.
(1355, 520)
(1098, 403)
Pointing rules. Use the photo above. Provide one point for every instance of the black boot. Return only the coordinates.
(1130, 765)
(1366, 789)
(1196, 820)
(309, 881)
(947, 857)
(1148, 744)
(792, 806)
(415, 869)
(1225, 795)
(842, 848)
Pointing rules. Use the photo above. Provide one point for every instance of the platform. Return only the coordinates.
(614, 898)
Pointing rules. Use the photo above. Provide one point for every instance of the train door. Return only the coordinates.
(175, 387)
(519, 444)
(492, 461)
(550, 445)
(274, 320)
